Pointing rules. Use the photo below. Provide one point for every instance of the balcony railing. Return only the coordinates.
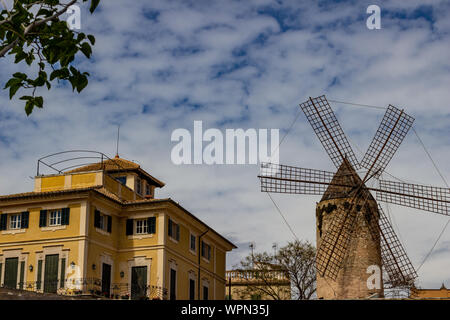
(257, 275)
(94, 287)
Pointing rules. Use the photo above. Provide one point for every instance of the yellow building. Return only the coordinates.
(98, 229)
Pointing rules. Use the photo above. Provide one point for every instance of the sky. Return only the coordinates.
(160, 65)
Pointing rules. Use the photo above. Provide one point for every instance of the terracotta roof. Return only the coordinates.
(104, 192)
(117, 165)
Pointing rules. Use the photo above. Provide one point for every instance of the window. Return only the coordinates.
(102, 221)
(191, 289)
(147, 189)
(174, 230)
(206, 251)
(122, 180)
(141, 226)
(138, 186)
(205, 293)
(55, 218)
(192, 242)
(15, 221)
(173, 284)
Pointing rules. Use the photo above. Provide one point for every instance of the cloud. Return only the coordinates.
(160, 65)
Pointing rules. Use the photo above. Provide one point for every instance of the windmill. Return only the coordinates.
(356, 232)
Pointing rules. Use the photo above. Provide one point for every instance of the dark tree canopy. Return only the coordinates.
(32, 31)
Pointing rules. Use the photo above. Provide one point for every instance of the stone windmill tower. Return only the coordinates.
(353, 233)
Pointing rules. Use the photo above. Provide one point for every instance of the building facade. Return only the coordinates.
(99, 229)
(267, 283)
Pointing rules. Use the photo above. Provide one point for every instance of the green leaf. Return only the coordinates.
(91, 39)
(86, 49)
(39, 102)
(20, 75)
(13, 89)
(29, 107)
(94, 4)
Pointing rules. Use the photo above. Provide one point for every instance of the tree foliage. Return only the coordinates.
(32, 31)
(296, 261)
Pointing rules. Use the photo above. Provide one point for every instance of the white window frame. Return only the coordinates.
(142, 225)
(17, 221)
(103, 222)
(57, 219)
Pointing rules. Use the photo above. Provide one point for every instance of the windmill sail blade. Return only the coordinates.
(394, 258)
(287, 179)
(333, 246)
(389, 136)
(433, 199)
(328, 130)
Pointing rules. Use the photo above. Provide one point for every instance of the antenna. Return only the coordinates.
(118, 137)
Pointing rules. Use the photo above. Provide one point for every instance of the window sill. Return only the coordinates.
(140, 236)
(192, 252)
(103, 232)
(174, 240)
(53, 228)
(206, 260)
(13, 231)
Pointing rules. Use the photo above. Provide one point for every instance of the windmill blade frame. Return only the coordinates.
(328, 130)
(427, 198)
(334, 244)
(394, 258)
(280, 178)
(390, 134)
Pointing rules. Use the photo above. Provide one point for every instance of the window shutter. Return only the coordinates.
(108, 228)
(25, 218)
(65, 216)
(129, 227)
(3, 221)
(178, 232)
(151, 223)
(43, 218)
(97, 219)
(170, 228)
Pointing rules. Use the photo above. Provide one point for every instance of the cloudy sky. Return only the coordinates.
(160, 65)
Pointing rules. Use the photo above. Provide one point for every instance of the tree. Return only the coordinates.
(31, 31)
(299, 259)
(291, 268)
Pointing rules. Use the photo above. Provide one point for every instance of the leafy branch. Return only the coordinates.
(32, 31)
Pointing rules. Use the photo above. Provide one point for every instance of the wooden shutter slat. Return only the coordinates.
(43, 218)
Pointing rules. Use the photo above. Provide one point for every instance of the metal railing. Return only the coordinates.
(255, 275)
(95, 288)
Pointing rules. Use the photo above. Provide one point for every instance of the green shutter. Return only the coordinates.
(43, 218)
(22, 271)
(109, 226)
(25, 219)
(63, 273)
(97, 219)
(3, 221)
(129, 229)
(151, 223)
(65, 214)
(178, 232)
(39, 275)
